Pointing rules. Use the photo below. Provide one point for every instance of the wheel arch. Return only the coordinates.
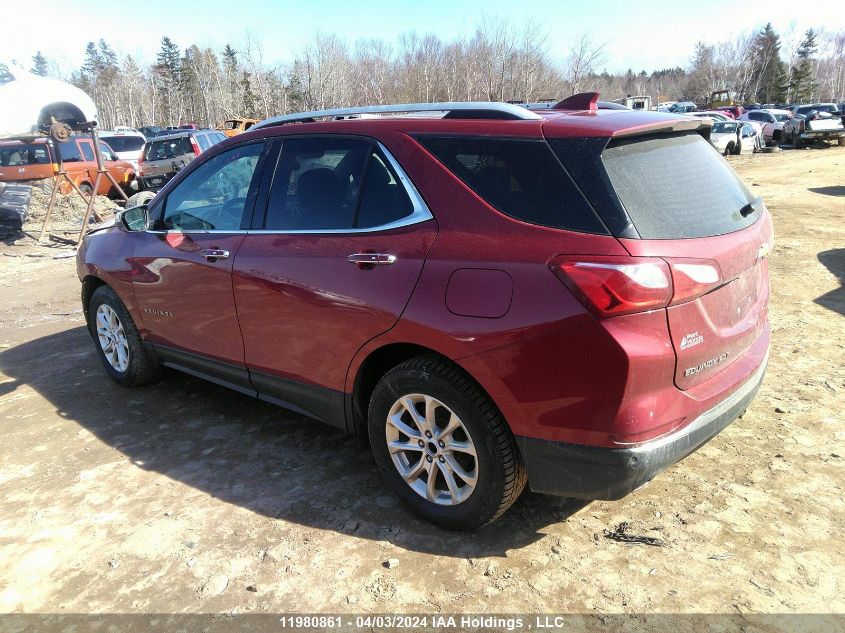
(89, 285)
(60, 111)
(376, 364)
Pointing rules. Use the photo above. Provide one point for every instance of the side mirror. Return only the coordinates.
(135, 218)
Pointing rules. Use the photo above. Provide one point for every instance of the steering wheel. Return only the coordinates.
(231, 213)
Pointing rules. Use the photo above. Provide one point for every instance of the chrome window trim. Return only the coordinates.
(421, 213)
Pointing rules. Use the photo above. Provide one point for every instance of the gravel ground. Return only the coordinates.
(183, 497)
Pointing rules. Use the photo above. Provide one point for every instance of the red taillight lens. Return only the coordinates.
(693, 278)
(610, 286)
(195, 146)
(140, 166)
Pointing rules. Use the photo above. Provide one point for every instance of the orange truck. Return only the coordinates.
(22, 161)
(233, 127)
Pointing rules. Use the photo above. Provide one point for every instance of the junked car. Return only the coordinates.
(22, 161)
(772, 121)
(814, 122)
(163, 156)
(127, 146)
(725, 137)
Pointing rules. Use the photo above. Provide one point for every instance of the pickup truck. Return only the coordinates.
(814, 122)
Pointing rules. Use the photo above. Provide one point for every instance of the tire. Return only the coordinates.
(496, 466)
(133, 369)
(142, 197)
(729, 149)
(841, 142)
(86, 189)
(797, 142)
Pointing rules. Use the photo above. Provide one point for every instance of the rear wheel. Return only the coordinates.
(442, 445)
(117, 340)
(729, 149)
(86, 189)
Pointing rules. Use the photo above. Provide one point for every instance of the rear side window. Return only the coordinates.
(521, 178)
(383, 197)
(169, 148)
(316, 184)
(203, 141)
(24, 154)
(676, 187)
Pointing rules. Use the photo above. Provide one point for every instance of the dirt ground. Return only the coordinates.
(183, 497)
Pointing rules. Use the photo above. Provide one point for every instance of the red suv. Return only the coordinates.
(575, 298)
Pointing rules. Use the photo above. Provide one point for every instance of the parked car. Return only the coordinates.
(682, 107)
(711, 114)
(29, 104)
(751, 133)
(163, 156)
(821, 108)
(34, 160)
(772, 121)
(809, 124)
(491, 295)
(127, 146)
(725, 137)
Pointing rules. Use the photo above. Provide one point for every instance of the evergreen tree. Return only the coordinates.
(247, 96)
(168, 62)
(39, 64)
(768, 79)
(802, 83)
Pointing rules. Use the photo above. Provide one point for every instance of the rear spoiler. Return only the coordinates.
(664, 126)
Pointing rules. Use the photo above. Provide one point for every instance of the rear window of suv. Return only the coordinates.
(522, 178)
(676, 187)
(168, 148)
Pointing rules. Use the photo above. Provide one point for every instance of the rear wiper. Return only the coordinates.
(752, 207)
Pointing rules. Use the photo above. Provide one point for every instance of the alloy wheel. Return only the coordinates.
(112, 338)
(432, 449)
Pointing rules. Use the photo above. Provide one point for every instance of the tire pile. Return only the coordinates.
(14, 206)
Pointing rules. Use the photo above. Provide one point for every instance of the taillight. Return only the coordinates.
(195, 146)
(692, 278)
(610, 286)
(141, 166)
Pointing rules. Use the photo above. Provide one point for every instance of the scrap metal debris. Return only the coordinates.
(620, 533)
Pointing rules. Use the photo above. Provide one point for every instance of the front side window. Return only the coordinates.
(70, 152)
(87, 151)
(215, 196)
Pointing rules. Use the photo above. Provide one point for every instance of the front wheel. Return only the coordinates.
(117, 340)
(442, 445)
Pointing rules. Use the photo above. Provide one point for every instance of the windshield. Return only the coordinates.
(124, 143)
(24, 154)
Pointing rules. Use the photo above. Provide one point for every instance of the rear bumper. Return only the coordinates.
(822, 134)
(589, 472)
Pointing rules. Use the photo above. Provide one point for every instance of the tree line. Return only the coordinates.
(497, 62)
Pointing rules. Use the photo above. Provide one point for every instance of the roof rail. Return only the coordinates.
(453, 110)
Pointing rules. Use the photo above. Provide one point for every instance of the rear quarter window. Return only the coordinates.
(522, 178)
(676, 187)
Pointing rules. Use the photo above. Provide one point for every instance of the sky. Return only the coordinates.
(642, 35)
